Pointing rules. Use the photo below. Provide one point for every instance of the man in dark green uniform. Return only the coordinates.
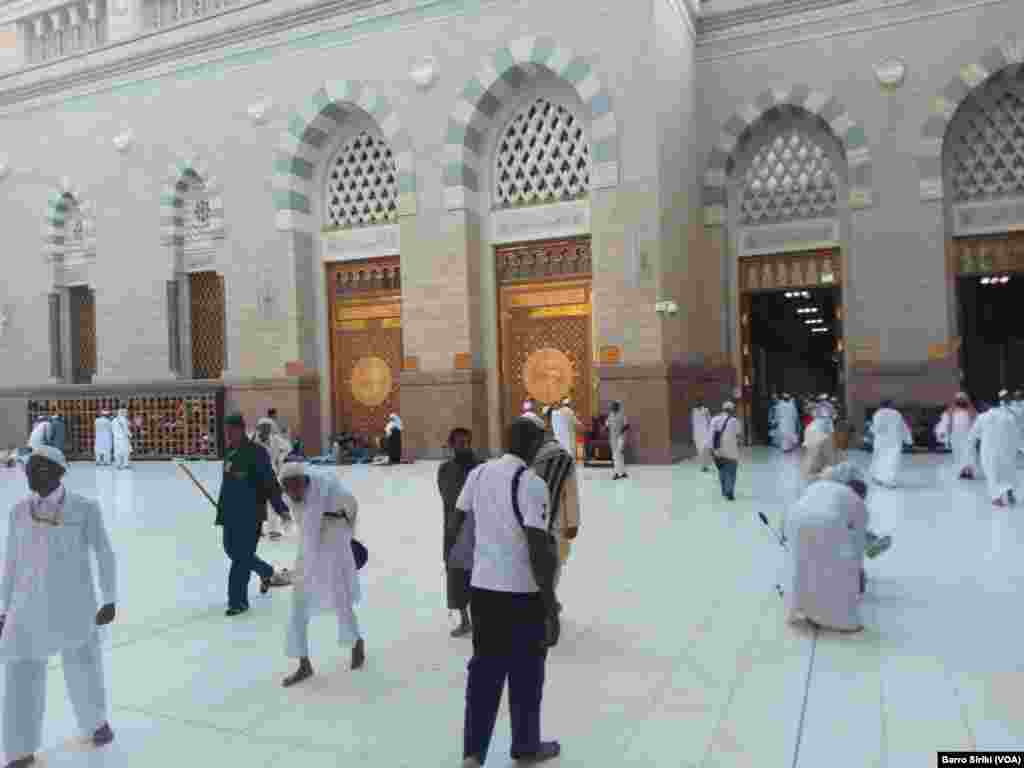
(248, 485)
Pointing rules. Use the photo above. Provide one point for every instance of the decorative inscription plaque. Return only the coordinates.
(371, 381)
(548, 375)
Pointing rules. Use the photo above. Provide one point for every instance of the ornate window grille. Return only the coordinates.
(987, 146)
(362, 186)
(790, 177)
(83, 334)
(208, 324)
(543, 157)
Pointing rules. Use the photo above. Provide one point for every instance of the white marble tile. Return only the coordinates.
(674, 651)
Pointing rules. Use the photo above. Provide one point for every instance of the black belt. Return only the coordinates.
(335, 516)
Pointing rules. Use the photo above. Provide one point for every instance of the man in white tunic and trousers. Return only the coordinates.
(564, 424)
(103, 443)
(48, 605)
(618, 426)
(954, 430)
(999, 435)
(325, 570)
(122, 439)
(700, 421)
(890, 433)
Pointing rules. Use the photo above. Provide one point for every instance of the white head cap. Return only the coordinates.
(265, 422)
(566, 401)
(293, 469)
(823, 397)
(728, 405)
(531, 416)
(527, 405)
(1004, 394)
(50, 453)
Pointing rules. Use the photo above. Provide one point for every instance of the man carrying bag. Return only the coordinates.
(512, 598)
(725, 447)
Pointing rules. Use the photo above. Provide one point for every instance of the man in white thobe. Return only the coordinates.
(325, 570)
(48, 605)
(618, 426)
(825, 415)
(890, 435)
(40, 433)
(700, 420)
(104, 441)
(954, 430)
(827, 534)
(1017, 406)
(789, 425)
(277, 449)
(999, 435)
(564, 424)
(122, 429)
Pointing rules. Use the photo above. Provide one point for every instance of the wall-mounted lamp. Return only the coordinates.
(258, 112)
(666, 307)
(5, 320)
(424, 72)
(4, 169)
(124, 141)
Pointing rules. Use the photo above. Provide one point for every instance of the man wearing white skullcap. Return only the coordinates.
(997, 429)
(122, 439)
(277, 449)
(53, 532)
(325, 577)
(954, 430)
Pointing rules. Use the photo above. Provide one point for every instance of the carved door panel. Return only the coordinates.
(83, 334)
(208, 324)
(366, 344)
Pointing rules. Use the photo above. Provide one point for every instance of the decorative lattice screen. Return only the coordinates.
(790, 177)
(197, 211)
(987, 145)
(362, 186)
(543, 157)
(83, 334)
(208, 324)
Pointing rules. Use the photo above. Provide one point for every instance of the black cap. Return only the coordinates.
(234, 420)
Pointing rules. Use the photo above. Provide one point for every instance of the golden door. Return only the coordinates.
(545, 311)
(366, 344)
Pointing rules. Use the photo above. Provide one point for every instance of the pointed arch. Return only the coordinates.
(304, 143)
(181, 175)
(63, 201)
(945, 104)
(825, 106)
(498, 79)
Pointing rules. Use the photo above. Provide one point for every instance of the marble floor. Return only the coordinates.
(673, 653)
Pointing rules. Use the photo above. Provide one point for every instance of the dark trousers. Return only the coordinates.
(508, 635)
(240, 543)
(727, 476)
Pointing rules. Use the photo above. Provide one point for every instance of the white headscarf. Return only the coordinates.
(52, 454)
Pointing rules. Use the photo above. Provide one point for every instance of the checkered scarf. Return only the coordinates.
(554, 465)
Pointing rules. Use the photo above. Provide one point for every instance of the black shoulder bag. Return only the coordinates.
(552, 626)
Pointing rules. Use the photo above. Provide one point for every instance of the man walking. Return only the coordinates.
(999, 435)
(247, 487)
(457, 552)
(122, 439)
(618, 426)
(325, 570)
(277, 449)
(512, 598)
(104, 439)
(725, 447)
(564, 423)
(48, 605)
(700, 420)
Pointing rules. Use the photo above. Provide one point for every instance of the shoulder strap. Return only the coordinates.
(515, 496)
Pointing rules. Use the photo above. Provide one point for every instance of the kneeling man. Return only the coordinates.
(325, 570)
(48, 605)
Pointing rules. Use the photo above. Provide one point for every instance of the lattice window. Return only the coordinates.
(987, 146)
(790, 177)
(362, 187)
(83, 335)
(543, 157)
(208, 324)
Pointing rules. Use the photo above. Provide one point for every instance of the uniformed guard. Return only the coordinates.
(248, 485)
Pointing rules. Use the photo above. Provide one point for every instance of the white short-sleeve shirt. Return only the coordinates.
(501, 559)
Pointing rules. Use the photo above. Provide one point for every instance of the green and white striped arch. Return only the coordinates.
(307, 139)
(945, 104)
(825, 106)
(182, 174)
(62, 201)
(499, 77)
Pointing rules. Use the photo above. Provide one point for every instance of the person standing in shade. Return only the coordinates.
(700, 420)
(48, 605)
(997, 430)
(247, 487)
(104, 440)
(393, 433)
(457, 552)
(891, 434)
(515, 621)
(618, 426)
(122, 439)
(725, 447)
(326, 577)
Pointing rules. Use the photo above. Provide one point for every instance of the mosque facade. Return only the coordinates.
(348, 208)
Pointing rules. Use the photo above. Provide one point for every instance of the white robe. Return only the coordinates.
(700, 420)
(825, 415)
(954, 430)
(48, 591)
(104, 442)
(890, 433)
(325, 577)
(122, 438)
(37, 439)
(789, 426)
(826, 532)
(564, 424)
(999, 435)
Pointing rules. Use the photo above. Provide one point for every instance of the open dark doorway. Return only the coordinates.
(795, 348)
(992, 330)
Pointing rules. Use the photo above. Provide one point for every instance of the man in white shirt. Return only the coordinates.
(104, 440)
(700, 420)
(48, 605)
(40, 433)
(725, 447)
(512, 598)
(564, 424)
